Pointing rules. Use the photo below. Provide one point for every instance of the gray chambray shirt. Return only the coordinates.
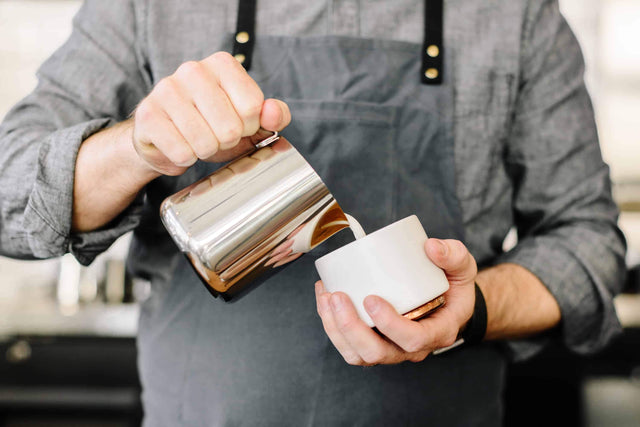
(512, 122)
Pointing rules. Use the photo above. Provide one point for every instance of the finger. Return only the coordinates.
(158, 141)
(213, 103)
(243, 92)
(453, 257)
(445, 327)
(282, 247)
(275, 115)
(186, 117)
(411, 336)
(275, 257)
(338, 341)
(372, 348)
(288, 259)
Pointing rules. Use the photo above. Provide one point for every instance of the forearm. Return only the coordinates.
(108, 176)
(518, 304)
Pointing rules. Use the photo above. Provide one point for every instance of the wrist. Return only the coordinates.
(108, 176)
(474, 331)
(140, 171)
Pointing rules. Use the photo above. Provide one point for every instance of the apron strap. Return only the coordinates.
(245, 32)
(433, 46)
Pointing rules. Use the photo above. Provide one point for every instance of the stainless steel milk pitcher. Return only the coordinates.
(252, 216)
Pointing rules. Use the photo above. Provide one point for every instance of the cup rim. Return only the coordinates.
(368, 236)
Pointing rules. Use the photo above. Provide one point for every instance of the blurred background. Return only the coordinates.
(67, 348)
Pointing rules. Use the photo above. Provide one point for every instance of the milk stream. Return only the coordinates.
(356, 228)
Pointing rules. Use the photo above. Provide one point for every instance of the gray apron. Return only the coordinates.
(383, 144)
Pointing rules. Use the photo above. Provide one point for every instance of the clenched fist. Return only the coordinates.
(207, 110)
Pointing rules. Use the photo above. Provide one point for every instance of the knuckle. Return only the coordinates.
(417, 357)
(182, 157)
(352, 358)
(252, 108)
(346, 325)
(458, 245)
(230, 134)
(448, 339)
(189, 69)
(145, 112)
(414, 345)
(374, 356)
(460, 251)
(460, 259)
(205, 150)
(222, 56)
(203, 145)
(384, 322)
(173, 170)
(165, 88)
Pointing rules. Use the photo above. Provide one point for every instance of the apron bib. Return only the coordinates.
(382, 142)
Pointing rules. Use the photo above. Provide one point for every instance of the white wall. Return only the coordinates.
(608, 30)
(30, 30)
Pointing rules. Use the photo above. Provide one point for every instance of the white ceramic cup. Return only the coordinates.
(390, 263)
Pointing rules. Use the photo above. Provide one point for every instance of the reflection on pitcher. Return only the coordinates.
(309, 235)
(257, 213)
(241, 165)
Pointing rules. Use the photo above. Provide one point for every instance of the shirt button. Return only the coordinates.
(431, 73)
(242, 37)
(433, 51)
(240, 57)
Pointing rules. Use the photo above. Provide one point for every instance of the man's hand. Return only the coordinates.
(206, 110)
(209, 110)
(402, 339)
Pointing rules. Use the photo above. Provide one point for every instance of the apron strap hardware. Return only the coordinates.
(433, 45)
(432, 48)
(245, 33)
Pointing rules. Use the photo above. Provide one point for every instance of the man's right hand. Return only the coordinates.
(206, 110)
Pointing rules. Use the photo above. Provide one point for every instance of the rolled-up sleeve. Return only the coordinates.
(565, 215)
(93, 81)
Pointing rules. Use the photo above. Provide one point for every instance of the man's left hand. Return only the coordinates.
(401, 339)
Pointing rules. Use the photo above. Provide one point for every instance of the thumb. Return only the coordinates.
(453, 257)
(275, 115)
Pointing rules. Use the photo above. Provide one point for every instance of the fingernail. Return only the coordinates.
(372, 305)
(283, 113)
(441, 247)
(336, 303)
(322, 302)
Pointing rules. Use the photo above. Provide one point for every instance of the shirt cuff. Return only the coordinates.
(589, 320)
(47, 219)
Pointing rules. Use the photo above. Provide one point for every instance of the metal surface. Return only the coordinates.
(252, 216)
(268, 141)
(425, 309)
